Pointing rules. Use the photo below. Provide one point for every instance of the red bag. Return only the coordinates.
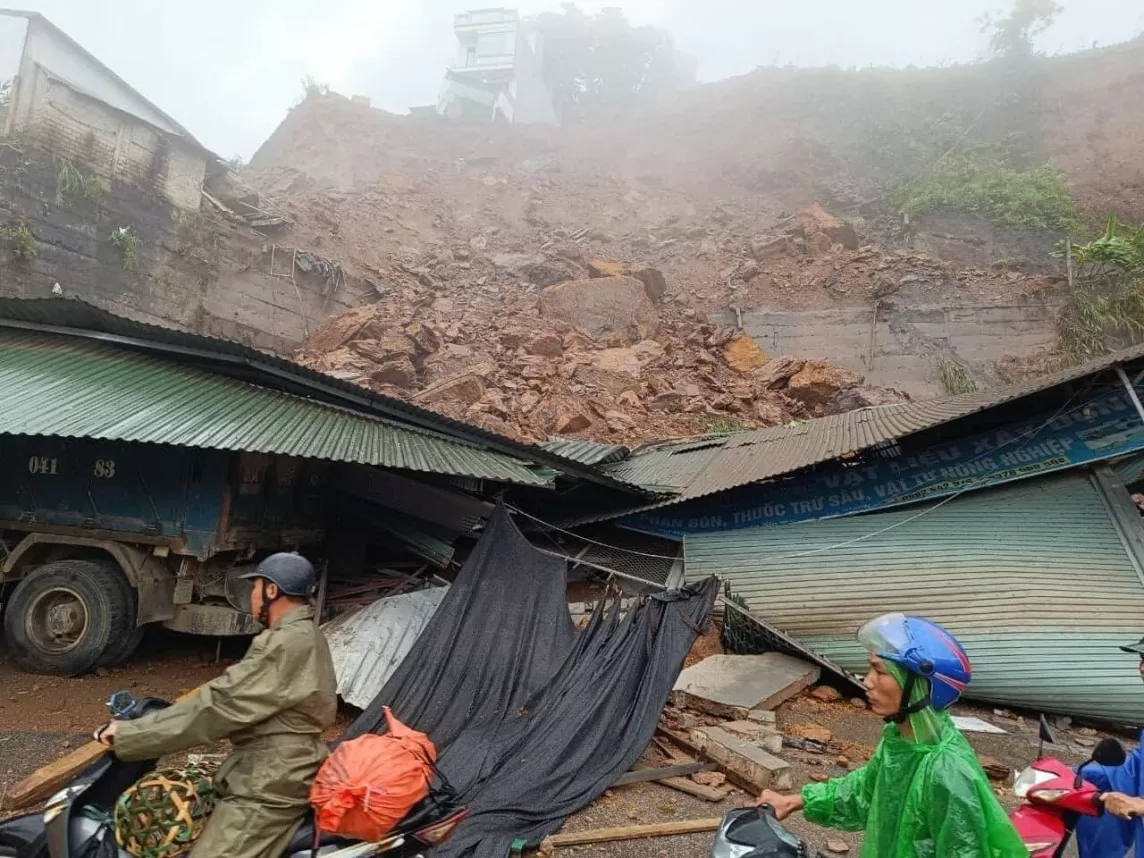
(368, 784)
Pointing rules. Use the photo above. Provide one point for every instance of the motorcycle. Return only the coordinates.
(1057, 796)
(755, 833)
(76, 822)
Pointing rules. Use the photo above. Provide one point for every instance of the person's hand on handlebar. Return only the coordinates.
(784, 805)
(105, 735)
(1124, 806)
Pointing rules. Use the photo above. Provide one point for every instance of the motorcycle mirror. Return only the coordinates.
(1109, 752)
(1046, 732)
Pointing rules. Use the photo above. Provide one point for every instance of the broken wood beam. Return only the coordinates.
(689, 787)
(632, 832)
(643, 775)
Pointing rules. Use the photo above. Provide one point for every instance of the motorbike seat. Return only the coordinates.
(420, 814)
(303, 839)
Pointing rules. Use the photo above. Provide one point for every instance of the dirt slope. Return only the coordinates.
(467, 232)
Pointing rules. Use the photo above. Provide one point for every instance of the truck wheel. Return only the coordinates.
(64, 616)
(127, 638)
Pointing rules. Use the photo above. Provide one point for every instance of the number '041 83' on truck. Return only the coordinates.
(101, 538)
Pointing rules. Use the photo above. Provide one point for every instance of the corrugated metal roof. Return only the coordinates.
(1034, 579)
(585, 452)
(75, 318)
(667, 469)
(750, 457)
(368, 645)
(53, 385)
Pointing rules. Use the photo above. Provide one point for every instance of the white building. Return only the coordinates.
(497, 74)
(62, 97)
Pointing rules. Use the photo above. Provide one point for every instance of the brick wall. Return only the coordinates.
(113, 145)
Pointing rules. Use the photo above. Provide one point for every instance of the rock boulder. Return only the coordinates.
(606, 306)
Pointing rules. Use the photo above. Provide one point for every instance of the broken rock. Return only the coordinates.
(468, 389)
(609, 305)
(817, 382)
(812, 733)
(862, 396)
(743, 354)
(546, 345)
(815, 219)
(711, 779)
(398, 372)
(655, 284)
(618, 360)
(826, 693)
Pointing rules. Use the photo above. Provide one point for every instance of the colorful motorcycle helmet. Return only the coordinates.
(923, 649)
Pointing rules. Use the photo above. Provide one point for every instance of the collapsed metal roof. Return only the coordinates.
(697, 469)
(75, 318)
(54, 385)
(585, 452)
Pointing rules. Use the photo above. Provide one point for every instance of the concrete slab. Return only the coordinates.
(731, 686)
(750, 762)
(760, 735)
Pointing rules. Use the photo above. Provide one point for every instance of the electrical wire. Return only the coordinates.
(550, 526)
(971, 487)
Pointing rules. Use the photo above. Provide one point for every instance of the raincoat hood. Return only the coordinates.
(927, 724)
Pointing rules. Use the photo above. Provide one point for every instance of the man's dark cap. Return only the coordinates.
(1136, 648)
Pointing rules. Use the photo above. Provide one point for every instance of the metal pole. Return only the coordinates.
(1131, 390)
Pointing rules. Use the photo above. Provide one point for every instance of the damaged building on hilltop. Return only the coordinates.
(498, 72)
(105, 197)
(61, 95)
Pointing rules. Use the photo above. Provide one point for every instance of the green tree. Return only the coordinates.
(1012, 35)
(601, 63)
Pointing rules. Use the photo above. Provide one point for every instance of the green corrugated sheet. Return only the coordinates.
(53, 385)
(1033, 578)
(585, 452)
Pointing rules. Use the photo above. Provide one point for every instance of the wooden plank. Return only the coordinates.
(690, 787)
(643, 775)
(633, 832)
(50, 779)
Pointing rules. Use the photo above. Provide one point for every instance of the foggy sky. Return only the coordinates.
(228, 70)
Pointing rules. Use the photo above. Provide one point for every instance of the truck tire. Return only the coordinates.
(65, 616)
(128, 637)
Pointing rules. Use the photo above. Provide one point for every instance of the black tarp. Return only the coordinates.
(533, 719)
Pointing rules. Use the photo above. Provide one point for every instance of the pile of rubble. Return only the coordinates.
(536, 345)
(534, 290)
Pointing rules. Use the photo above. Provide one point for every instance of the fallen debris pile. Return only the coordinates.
(506, 267)
(588, 356)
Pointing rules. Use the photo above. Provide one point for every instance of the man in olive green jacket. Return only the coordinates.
(273, 706)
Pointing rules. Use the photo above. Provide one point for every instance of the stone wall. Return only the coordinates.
(195, 270)
(903, 345)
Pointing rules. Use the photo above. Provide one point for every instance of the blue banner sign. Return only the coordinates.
(1103, 428)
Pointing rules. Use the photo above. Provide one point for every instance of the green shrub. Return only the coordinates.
(1030, 199)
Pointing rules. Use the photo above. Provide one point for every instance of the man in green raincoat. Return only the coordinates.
(273, 706)
(923, 794)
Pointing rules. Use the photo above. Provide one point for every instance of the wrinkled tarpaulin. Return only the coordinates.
(533, 720)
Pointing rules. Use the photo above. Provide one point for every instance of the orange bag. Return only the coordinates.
(368, 784)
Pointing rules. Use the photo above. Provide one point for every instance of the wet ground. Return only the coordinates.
(43, 718)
